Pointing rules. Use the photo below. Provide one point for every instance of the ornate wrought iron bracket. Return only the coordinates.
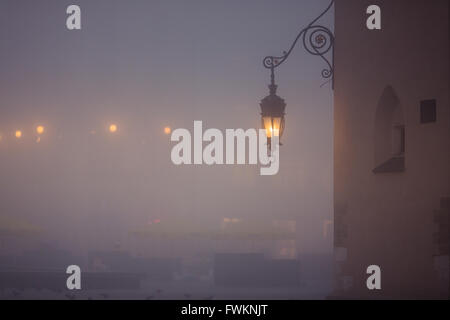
(317, 40)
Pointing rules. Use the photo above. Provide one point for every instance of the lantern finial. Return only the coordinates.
(272, 86)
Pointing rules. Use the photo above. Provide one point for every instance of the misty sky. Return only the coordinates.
(145, 65)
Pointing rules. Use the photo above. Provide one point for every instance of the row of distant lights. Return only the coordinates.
(40, 130)
(19, 134)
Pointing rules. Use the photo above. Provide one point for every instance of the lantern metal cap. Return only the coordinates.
(272, 105)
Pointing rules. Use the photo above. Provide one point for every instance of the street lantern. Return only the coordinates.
(272, 113)
(318, 41)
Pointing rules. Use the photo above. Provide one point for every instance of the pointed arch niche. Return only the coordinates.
(389, 134)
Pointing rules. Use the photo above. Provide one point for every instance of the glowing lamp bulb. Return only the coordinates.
(40, 129)
(113, 128)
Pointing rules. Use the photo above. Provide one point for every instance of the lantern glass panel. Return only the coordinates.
(267, 123)
(276, 126)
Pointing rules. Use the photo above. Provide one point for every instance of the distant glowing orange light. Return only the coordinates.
(113, 128)
(40, 129)
(167, 130)
(18, 134)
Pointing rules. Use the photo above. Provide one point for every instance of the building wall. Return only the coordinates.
(387, 218)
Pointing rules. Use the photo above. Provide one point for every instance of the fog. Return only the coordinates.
(144, 66)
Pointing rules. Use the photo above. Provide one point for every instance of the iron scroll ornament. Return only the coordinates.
(317, 40)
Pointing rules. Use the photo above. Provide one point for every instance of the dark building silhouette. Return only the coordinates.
(392, 149)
